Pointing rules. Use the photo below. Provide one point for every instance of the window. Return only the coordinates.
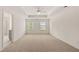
(29, 25)
(42, 26)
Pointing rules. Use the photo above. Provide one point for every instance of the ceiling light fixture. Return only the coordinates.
(38, 11)
(65, 6)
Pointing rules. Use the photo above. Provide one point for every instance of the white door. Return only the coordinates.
(6, 28)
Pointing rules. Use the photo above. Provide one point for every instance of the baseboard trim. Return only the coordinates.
(64, 41)
(5, 46)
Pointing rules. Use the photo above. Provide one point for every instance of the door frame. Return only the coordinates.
(3, 12)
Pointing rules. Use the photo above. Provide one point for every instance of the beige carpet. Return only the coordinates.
(39, 43)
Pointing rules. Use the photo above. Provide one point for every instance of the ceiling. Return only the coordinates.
(44, 10)
(33, 10)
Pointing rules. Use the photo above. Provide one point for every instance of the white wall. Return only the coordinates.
(19, 26)
(18, 18)
(0, 28)
(65, 26)
(18, 21)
